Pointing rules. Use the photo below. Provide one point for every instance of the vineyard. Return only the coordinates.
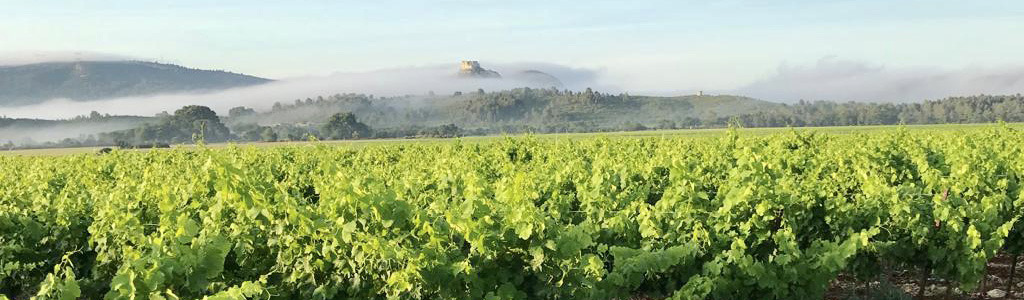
(724, 217)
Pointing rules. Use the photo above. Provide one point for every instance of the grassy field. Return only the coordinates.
(623, 134)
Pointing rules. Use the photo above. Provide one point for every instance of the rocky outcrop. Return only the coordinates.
(528, 78)
(471, 68)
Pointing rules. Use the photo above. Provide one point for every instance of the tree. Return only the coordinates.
(250, 132)
(268, 135)
(201, 120)
(240, 111)
(344, 126)
(443, 131)
(666, 124)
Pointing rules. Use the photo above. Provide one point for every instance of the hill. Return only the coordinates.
(553, 110)
(90, 80)
(545, 110)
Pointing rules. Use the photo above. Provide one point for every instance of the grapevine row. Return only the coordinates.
(730, 217)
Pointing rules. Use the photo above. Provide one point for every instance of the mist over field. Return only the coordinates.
(22, 135)
(439, 79)
(837, 79)
(829, 78)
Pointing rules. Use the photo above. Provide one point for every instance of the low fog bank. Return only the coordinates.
(439, 79)
(828, 79)
(31, 135)
(846, 80)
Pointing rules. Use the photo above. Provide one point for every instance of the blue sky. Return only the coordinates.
(640, 45)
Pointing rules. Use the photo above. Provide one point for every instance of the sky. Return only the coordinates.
(658, 47)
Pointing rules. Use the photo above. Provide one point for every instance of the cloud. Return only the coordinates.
(847, 80)
(440, 79)
(33, 57)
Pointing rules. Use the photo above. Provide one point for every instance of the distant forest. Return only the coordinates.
(358, 116)
(973, 109)
(547, 110)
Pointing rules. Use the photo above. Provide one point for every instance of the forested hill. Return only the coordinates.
(89, 80)
(548, 110)
(524, 109)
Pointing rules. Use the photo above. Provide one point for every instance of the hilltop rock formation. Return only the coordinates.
(471, 68)
(530, 78)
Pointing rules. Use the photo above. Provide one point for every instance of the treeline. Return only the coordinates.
(551, 110)
(508, 111)
(359, 116)
(973, 109)
(92, 117)
(193, 124)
